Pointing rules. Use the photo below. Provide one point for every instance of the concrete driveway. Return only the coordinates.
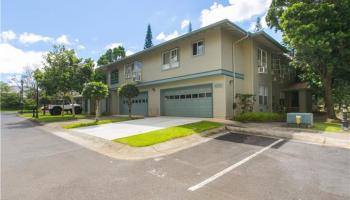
(134, 127)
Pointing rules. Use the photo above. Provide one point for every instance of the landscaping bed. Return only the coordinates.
(260, 117)
(52, 118)
(162, 135)
(99, 122)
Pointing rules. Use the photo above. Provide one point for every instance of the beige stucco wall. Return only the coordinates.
(189, 64)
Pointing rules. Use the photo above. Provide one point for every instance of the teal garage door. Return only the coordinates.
(196, 101)
(139, 105)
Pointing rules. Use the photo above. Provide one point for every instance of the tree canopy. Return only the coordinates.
(319, 33)
(129, 91)
(97, 91)
(111, 55)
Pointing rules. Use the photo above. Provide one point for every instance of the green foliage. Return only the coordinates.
(128, 90)
(162, 135)
(95, 90)
(148, 39)
(319, 33)
(52, 118)
(327, 126)
(111, 56)
(244, 102)
(260, 117)
(9, 100)
(94, 123)
(100, 76)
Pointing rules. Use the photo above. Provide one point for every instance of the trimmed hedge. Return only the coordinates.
(261, 117)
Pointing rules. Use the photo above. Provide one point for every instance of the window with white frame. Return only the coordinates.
(170, 59)
(129, 68)
(198, 48)
(263, 95)
(133, 70)
(262, 61)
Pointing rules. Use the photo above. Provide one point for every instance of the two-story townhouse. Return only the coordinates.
(199, 73)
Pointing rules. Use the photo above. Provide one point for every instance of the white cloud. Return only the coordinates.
(236, 11)
(81, 47)
(128, 52)
(113, 45)
(14, 60)
(63, 39)
(29, 38)
(162, 37)
(7, 35)
(185, 23)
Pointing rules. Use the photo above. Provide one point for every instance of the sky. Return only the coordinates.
(29, 29)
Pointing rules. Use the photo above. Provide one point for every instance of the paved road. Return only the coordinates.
(38, 165)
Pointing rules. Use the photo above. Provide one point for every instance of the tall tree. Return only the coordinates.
(111, 55)
(190, 27)
(148, 39)
(319, 31)
(258, 26)
(65, 74)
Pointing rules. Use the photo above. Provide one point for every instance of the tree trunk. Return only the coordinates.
(72, 104)
(44, 111)
(97, 110)
(327, 82)
(129, 107)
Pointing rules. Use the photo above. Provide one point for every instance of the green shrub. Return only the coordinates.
(260, 117)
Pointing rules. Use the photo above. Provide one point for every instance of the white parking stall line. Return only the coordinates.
(230, 168)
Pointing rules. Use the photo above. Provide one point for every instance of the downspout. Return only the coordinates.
(234, 65)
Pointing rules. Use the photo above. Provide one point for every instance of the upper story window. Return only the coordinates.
(170, 59)
(114, 77)
(133, 70)
(263, 94)
(198, 48)
(262, 61)
(128, 70)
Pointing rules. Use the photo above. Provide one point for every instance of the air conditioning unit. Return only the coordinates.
(137, 76)
(261, 69)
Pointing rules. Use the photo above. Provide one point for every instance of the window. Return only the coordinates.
(263, 94)
(198, 48)
(114, 77)
(262, 61)
(170, 59)
(201, 95)
(128, 70)
(134, 70)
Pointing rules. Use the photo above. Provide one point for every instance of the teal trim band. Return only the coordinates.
(193, 76)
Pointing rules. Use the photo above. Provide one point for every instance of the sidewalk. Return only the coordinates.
(277, 130)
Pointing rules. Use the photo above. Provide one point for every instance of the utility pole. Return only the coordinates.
(37, 101)
(22, 104)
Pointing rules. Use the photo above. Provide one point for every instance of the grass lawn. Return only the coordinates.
(52, 118)
(162, 135)
(102, 121)
(327, 126)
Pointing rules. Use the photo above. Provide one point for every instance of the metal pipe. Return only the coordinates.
(234, 65)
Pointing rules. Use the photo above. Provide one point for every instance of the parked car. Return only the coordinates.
(57, 106)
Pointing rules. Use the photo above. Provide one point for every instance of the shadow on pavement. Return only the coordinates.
(250, 140)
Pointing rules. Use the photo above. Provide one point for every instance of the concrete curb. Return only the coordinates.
(299, 136)
(125, 152)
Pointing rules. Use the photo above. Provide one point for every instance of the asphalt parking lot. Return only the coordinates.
(39, 165)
